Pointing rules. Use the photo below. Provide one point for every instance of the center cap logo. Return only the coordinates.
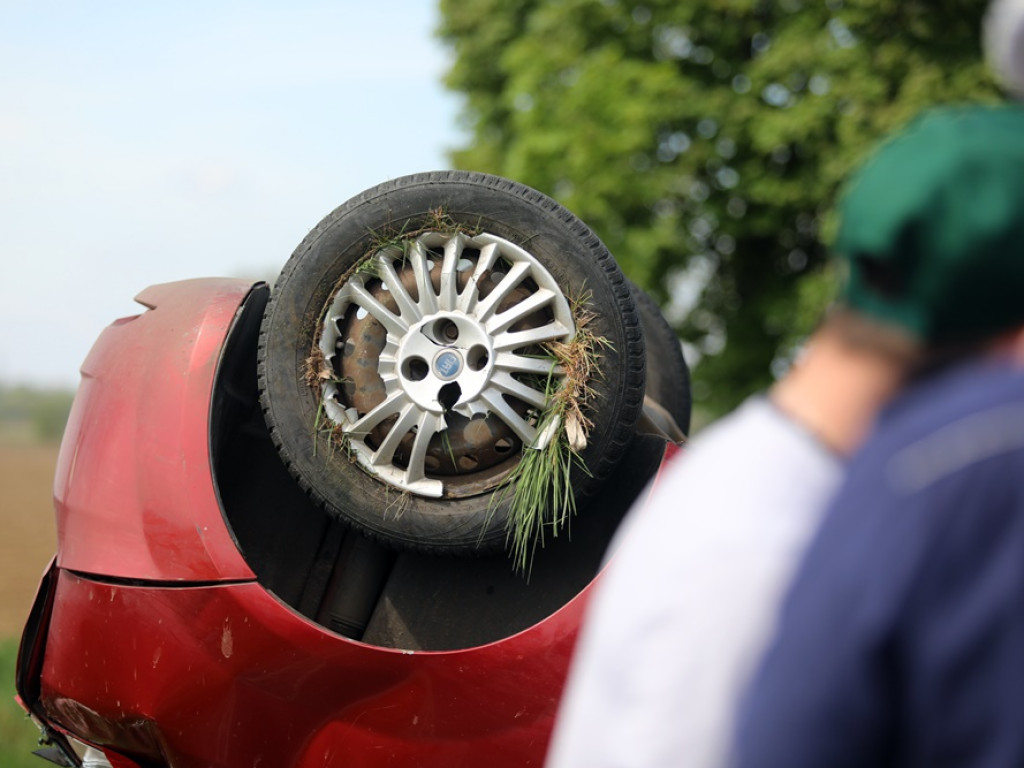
(448, 364)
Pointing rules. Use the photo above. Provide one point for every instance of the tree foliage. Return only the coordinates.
(705, 140)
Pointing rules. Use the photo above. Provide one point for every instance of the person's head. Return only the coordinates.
(932, 229)
(932, 235)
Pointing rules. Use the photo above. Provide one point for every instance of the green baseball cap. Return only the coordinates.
(933, 226)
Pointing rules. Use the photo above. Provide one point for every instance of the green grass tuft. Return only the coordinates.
(543, 500)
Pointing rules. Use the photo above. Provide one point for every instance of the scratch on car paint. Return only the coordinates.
(227, 643)
(372, 710)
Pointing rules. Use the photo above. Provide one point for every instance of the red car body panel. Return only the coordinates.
(227, 675)
(152, 639)
(133, 491)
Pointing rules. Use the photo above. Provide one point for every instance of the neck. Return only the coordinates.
(835, 391)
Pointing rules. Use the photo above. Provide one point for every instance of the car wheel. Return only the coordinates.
(405, 354)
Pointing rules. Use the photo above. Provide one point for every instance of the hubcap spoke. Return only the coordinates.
(390, 407)
(544, 366)
(427, 426)
(421, 267)
(471, 294)
(406, 306)
(504, 288)
(523, 309)
(450, 272)
(527, 394)
(518, 339)
(525, 431)
(406, 421)
(363, 298)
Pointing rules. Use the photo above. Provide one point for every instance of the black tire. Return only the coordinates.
(668, 376)
(325, 351)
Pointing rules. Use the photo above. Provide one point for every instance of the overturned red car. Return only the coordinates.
(285, 515)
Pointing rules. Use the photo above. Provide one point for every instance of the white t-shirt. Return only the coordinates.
(688, 600)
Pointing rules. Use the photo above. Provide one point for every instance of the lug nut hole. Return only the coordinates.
(415, 369)
(476, 357)
(446, 332)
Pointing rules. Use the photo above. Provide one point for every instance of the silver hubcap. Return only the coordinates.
(438, 375)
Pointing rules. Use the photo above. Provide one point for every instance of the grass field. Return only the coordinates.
(26, 519)
(18, 736)
(26, 546)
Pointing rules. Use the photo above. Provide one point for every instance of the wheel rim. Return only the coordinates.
(435, 371)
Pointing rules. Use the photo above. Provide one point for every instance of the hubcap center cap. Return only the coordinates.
(442, 350)
(448, 364)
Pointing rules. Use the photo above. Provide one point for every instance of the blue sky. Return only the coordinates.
(143, 142)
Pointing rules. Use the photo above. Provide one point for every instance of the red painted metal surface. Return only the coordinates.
(226, 675)
(133, 490)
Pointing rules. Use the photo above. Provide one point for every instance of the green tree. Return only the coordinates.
(705, 141)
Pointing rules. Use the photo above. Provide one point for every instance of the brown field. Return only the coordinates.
(27, 533)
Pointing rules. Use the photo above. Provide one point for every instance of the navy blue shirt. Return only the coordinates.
(902, 639)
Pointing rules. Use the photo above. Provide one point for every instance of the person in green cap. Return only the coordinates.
(901, 642)
(929, 235)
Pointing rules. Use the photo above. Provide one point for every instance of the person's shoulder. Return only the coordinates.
(969, 387)
(757, 426)
(754, 453)
(934, 430)
(945, 398)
